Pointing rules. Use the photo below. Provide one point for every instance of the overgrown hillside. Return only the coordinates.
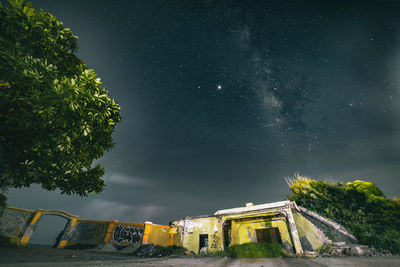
(359, 206)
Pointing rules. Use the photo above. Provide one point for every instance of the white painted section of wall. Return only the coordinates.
(254, 208)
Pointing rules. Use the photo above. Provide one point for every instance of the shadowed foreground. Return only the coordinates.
(64, 257)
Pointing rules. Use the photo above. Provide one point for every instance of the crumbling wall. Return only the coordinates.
(310, 238)
(244, 230)
(332, 232)
(13, 221)
(190, 230)
(87, 233)
(21, 224)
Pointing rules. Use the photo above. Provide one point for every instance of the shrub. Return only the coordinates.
(360, 206)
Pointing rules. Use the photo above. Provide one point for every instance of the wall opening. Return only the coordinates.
(48, 231)
(269, 235)
(203, 239)
(227, 233)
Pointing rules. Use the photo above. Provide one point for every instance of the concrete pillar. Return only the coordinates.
(67, 232)
(148, 226)
(171, 233)
(293, 231)
(26, 236)
(110, 230)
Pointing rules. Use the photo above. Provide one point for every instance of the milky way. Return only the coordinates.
(222, 99)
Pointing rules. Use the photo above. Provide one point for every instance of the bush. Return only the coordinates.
(7, 242)
(254, 250)
(359, 206)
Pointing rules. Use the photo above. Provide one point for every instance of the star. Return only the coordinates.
(219, 87)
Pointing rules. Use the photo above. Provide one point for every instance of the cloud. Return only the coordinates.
(102, 209)
(139, 211)
(121, 179)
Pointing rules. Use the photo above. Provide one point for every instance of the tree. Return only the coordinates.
(56, 118)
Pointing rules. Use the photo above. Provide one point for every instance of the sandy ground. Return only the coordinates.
(64, 257)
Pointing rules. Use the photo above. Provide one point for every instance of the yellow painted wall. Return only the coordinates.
(243, 230)
(308, 233)
(197, 226)
(175, 237)
(158, 235)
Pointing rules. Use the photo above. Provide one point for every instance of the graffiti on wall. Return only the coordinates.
(216, 242)
(13, 222)
(124, 234)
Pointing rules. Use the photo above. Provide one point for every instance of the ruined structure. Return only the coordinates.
(20, 226)
(278, 222)
(296, 228)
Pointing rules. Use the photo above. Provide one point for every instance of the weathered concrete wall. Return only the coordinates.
(244, 231)
(242, 225)
(87, 233)
(334, 231)
(126, 234)
(191, 229)
(13, 221)
(159, 235)
(21, 224)
(175, 237)
(310, 238)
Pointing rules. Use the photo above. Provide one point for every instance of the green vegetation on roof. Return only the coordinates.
(360, 206)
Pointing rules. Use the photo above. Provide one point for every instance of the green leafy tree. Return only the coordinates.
(56, 118)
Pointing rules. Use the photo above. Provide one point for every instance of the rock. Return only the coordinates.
(203, 251)
(131, 249)
(146, 251)
(357, 251)
(337, 252)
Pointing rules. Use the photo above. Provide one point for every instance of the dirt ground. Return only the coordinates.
(64, 257)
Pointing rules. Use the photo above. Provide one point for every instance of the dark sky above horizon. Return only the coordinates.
(222, 99)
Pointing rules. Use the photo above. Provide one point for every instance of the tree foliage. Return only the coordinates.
(360, 206)
(56, 118)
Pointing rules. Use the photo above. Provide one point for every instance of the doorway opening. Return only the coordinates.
(203, 239)
(227, 233)
(269, 235)
(48, 231)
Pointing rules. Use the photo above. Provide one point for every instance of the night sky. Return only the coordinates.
(221, 100)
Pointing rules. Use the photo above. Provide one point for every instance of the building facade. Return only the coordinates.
(279, 222)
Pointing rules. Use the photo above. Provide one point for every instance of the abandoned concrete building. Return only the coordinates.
(296, 228)
(278, 222)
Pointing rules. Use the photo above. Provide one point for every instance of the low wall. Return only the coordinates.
(13, 221)
(87, 233)
(159, 235)
(125, 234)
(20, 225)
